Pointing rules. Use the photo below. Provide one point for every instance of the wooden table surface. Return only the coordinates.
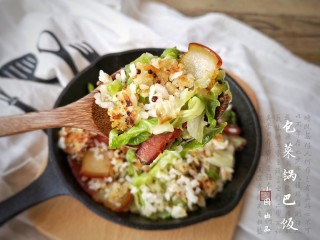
(293, 23)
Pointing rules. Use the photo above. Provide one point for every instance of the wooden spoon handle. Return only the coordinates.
(78, 114)
(10, 125)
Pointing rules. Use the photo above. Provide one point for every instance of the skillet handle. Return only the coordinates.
(46, 186)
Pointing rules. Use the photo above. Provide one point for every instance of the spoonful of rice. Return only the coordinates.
(154, 103)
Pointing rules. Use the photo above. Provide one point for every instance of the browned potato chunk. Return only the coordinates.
(96, 166)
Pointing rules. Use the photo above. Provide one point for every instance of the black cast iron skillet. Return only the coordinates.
(57, 179)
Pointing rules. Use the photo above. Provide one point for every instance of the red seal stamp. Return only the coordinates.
(265, 195)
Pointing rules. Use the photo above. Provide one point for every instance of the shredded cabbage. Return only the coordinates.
(195, 127)
(208, 134)
(221, 158)
(138, 131)
(163, 160)
(161, 128)
(171, 52)
(195, 108)
(114, 87)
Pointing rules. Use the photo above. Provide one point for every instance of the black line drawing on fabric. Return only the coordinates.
(23, 68)
(60, 52)
(14, 101)
(86, 51)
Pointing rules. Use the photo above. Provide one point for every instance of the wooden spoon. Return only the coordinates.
(83, 113)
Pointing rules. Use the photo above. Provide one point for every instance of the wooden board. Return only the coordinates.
(65, 218)
(293, 23)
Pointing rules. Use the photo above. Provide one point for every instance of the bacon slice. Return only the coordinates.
(150, 149)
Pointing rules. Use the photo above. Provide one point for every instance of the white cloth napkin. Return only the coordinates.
(287, 88)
